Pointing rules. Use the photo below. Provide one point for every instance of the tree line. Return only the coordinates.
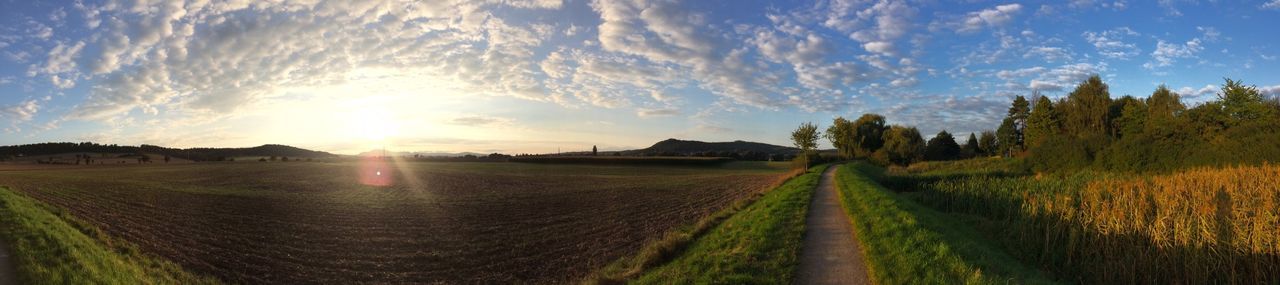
(1085, 129)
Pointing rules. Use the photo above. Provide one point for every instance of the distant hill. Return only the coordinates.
(737, 149)
(378, 152)
(195, 154)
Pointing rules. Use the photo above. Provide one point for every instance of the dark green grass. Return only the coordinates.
(906, 243)
(50, 247)
(752, 242)
(760, 244)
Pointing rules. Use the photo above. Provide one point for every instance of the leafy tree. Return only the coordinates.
(840, 133)
(1243, 103)
(1163, 109)
(1132, 119)
(1020, 110)
(987, 144)
(868, 134)
(942, 147)
(594, 151)
(1007, 137)
(1042, 121)
(805, 138)
(1085, 110)
(902, 145)
(970, 148)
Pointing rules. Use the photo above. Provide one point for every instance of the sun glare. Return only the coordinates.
(372, 125)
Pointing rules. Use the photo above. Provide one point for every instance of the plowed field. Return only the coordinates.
(337, 223)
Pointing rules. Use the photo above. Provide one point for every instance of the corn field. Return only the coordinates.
(1201, 226)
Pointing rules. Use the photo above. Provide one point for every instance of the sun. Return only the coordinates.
(372, 125)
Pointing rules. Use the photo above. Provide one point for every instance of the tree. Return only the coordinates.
(805, 138)
(970, 148)
(1243, 103)
(1132, 119)
(868, 134)
(840, 133)
(1042, 121)
(594, 151)
(166, 159)
(942, 147)
(987, 144)
(1020, 110)
(902, 145)
(1163, 107)
(1007, 137)
(1085, 110)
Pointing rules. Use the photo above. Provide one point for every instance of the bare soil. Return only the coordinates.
(433, 223)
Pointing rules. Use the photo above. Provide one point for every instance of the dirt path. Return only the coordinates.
(7, 274)
(831, 253)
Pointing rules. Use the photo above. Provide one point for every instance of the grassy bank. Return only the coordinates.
(750, 242)
(51, 247)
(906, 243)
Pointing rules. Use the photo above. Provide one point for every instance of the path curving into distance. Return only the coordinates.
(8, 276)
(831, 253)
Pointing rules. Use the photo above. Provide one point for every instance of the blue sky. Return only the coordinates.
(539, 75)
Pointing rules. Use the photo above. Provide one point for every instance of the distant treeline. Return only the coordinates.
(196, 154)
(628, 160)
(1089, 129)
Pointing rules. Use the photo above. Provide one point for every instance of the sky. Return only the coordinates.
(537, 76)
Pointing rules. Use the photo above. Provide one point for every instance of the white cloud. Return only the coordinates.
(1019, 73)
(1209, 33)
(1197, 93)
(480, 121)
(1037, 84)
(994, 17)
(665, 112)
(1273, 90)
(1112, 43)
(1167, 53)
(879, 47)
(1049, 54)
(1273, 5)
(20, 112)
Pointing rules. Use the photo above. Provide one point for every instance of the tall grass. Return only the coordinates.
(1198, 226)
(51, 247)
(906, 243)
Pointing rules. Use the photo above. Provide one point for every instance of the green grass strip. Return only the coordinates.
(49, 246)
(759, 244)
(752, 239)
(906, 243)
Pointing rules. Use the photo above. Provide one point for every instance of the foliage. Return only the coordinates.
(903, 145)
(1042, 121)
(942, 147)
(1007, 137)
(987, 143)
(970, 148)
(1156, 134)
(840, 133)
(805, 138)
(868, 134)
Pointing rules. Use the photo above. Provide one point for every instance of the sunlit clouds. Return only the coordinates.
(536, 76)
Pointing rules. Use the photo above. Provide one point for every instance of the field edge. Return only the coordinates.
(673, 245)
(49, 246)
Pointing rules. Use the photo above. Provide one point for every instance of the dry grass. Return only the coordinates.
(1198, 226)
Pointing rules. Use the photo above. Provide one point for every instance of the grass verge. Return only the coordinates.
(906, 243)
(752, 241)
(49, 246)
